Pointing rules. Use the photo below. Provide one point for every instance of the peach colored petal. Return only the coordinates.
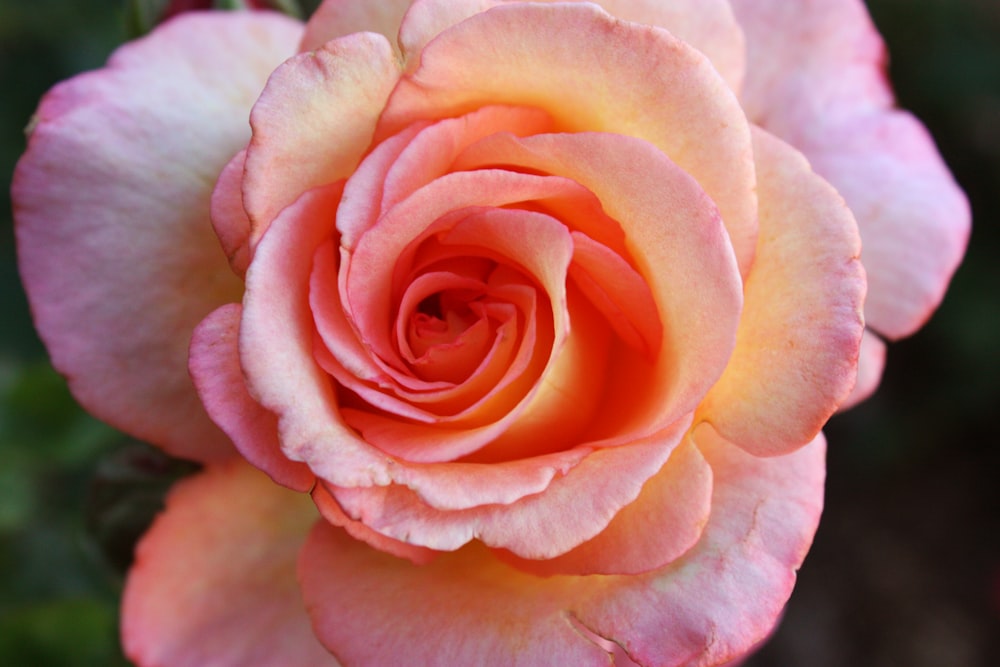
(600, 74)
(460, 485)
(871, 363)
(337, 18)
(657, 528)
(724, 595)
(215, 368)
(432, 152)
(214, 581)
(462, 609)
(229, 218)
(467, 607)
(673, 234)
(361, 206)
(275, 346)
(111, 202)
(314, 121)
(836, 106)
(707, 25)
(619, 292)
(797, 347)
(332, 512)
(540, 526)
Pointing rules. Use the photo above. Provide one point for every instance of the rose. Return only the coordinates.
(526, 300)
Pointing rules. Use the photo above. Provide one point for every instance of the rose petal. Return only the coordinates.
(214, 579)
(215, 369)
(333, 513)
(600, 74)
(871, 363)
(708, 25)
(914, 219)
(657, 528)
(111, 202)
(337, 18)
(331, 97)
(797, 347)
(838, 60)
(276, 339)
(229, 218)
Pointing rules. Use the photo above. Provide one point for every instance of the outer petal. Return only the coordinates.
(726, 594)
(461, 609)
(215, 368)
(214, 580)
(708, 25)
(835, 105)
(713, 604)
(797, 346)
(111, 201)
(808, 61)
(336, 18)
(314, 121)
(914, 220)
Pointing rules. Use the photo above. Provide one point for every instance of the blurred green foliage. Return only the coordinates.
(59, 590)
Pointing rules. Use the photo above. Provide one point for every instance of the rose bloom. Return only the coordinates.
(504, 331)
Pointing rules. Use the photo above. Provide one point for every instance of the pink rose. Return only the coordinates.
(536, 292)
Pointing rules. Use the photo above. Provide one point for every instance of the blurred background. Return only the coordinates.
(905, 571)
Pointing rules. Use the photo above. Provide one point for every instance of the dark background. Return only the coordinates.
(905, 570)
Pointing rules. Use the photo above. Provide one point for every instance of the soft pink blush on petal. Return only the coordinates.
(725, 594)
(797, 346)
(603, 75)
(229, 218)
(836, 106)
(708, 25)
(914, 219)
(711, 605)
(214, 580)
(215, 368)
(331, 97)
(111, 206)
(828, 63)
